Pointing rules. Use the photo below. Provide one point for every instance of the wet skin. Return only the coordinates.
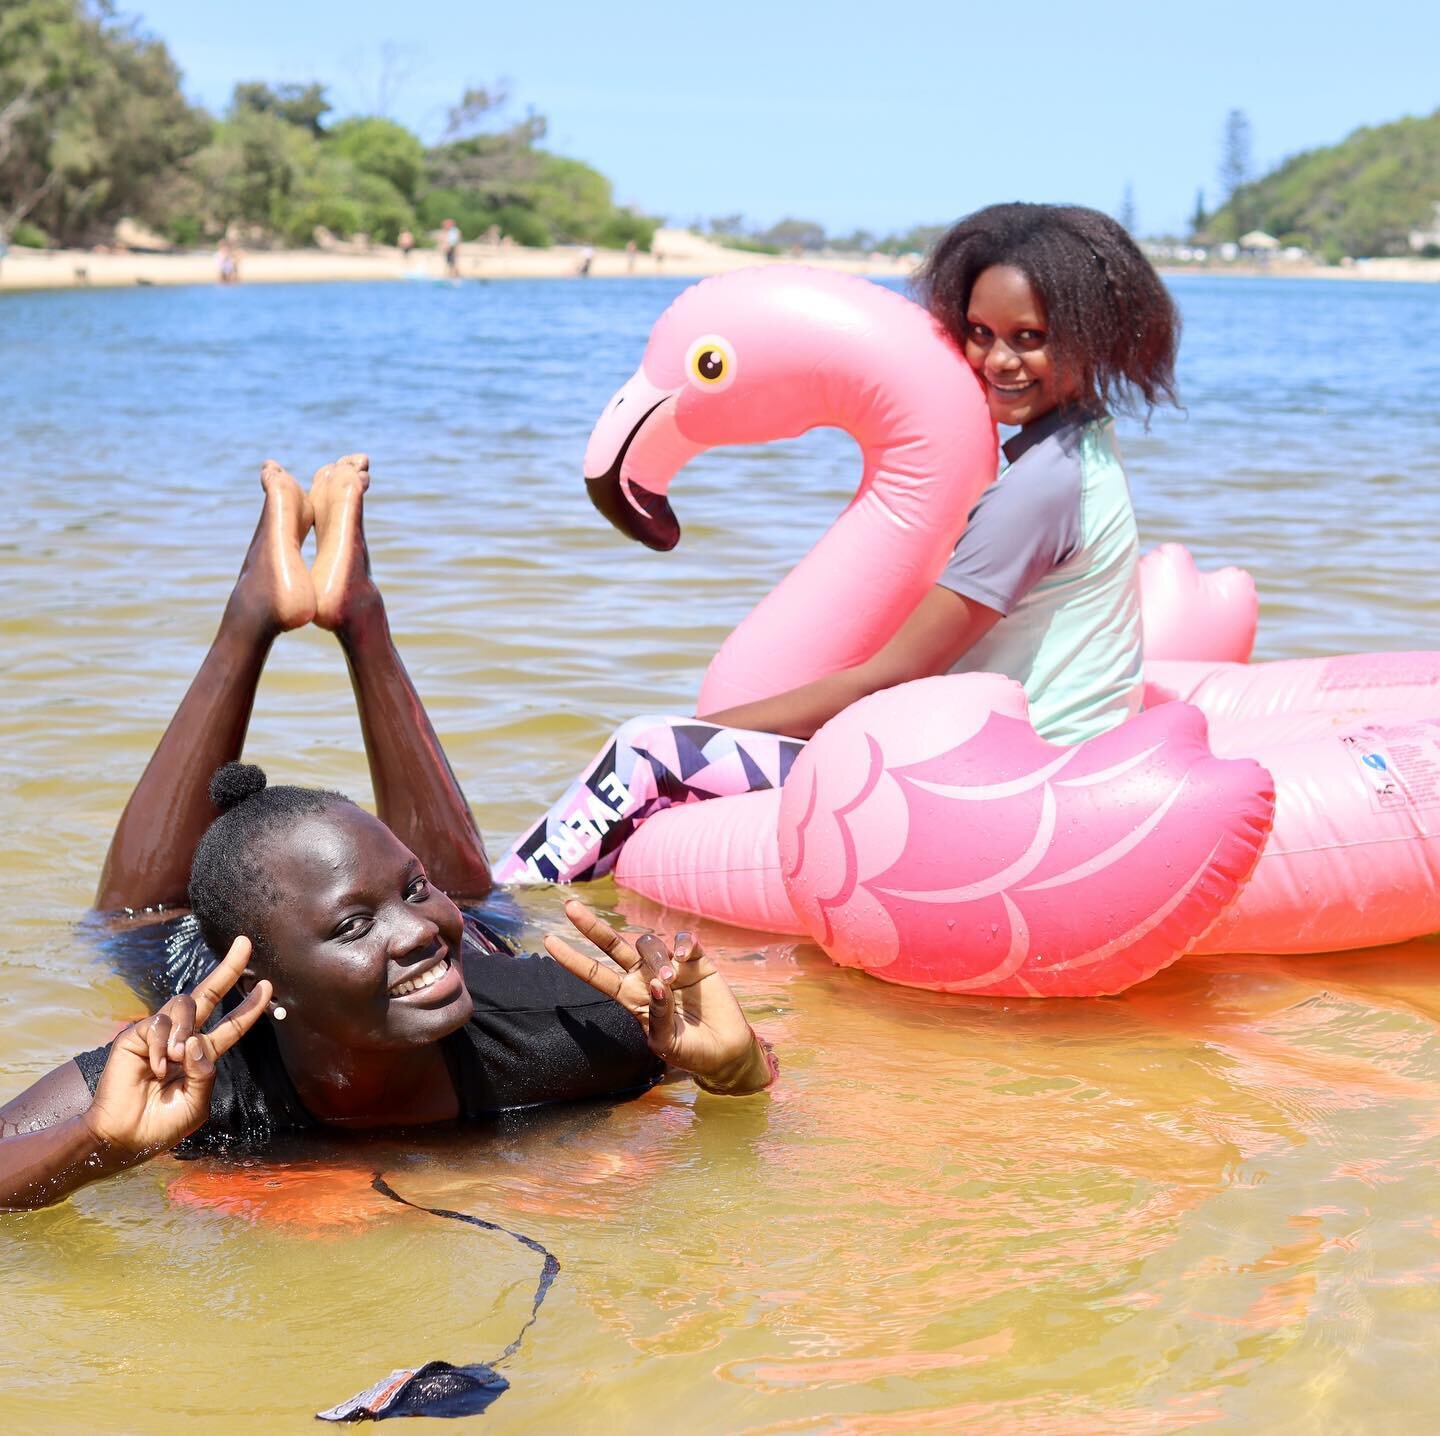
(346, 913)
(351, 921)
(1008, 345)
(356, 917)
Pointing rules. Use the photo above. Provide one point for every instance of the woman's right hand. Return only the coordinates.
(155, 1089)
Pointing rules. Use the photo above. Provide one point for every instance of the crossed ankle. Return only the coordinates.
(250, 617)
(362, 618)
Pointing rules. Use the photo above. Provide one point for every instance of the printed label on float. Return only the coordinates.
(1400, 764)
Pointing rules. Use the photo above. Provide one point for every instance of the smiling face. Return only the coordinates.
(362, 949)
(1008, 346)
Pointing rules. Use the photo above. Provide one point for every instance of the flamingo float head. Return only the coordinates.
(759, 355)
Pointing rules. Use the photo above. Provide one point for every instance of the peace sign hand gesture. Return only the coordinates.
(689, 1014)
(155, 1089)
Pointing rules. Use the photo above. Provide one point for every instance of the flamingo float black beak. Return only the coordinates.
(639, 513)
(636, 512)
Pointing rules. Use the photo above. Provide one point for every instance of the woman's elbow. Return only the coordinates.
(890, 672)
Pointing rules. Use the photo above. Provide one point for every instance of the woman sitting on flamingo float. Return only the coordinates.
(1061, 317)
(930, 835)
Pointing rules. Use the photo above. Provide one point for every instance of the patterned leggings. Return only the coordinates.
(648, 764)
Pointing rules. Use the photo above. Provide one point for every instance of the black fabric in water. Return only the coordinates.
(437, 1388)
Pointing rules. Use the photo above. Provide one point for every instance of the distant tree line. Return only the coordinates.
(809, 236)
(1364, 196)
(94, 127)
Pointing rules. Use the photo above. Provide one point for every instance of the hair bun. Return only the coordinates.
(235, 782)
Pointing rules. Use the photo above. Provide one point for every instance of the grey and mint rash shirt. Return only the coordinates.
(1053, 547)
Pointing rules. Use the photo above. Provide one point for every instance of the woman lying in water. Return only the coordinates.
(353, 994)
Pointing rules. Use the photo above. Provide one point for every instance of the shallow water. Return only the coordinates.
(1210, 1203)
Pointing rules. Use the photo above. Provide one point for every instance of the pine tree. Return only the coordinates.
(1235, 169)
(1126, 216)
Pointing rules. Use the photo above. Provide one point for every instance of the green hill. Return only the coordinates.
(1362, 197)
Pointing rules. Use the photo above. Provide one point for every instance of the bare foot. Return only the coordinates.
(341, 573)
(274, 586)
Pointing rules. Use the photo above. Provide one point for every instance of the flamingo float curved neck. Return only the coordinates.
(770, 353)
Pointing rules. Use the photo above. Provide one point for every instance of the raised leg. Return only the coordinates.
(149, 859)
(647, 765)
(416, 792)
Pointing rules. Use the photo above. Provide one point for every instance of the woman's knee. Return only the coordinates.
(634, 731)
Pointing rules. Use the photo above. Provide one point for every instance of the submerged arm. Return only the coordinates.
(47, 1148)
(154, 1091)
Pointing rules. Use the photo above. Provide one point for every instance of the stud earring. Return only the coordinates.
(278, 1012)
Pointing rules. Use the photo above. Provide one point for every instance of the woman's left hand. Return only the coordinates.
(686, 1007)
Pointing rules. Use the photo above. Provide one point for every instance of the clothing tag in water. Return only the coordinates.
(435, 1389)
(438, 1388)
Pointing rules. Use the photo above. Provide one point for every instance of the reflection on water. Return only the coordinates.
(1210, 1202)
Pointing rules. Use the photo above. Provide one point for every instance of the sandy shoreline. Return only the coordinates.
(677, 253)
(1408, 271)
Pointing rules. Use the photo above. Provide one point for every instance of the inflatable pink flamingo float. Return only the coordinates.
(928, 834)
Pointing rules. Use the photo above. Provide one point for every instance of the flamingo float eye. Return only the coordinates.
(710, 362)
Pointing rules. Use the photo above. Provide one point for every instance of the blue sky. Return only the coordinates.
(857, 115)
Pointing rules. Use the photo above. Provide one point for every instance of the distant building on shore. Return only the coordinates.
(1427, 239)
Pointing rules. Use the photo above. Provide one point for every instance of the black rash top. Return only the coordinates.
(537, 1035)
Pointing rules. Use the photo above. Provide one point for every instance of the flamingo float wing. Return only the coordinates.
(1060, 887)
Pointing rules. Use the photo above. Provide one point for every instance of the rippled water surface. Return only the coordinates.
(1209, 1204)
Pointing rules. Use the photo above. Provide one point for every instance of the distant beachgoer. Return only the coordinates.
(587, 258)
(450, 242)
(227, 260)
(630, 248)
(4, 248)
(406, 243)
